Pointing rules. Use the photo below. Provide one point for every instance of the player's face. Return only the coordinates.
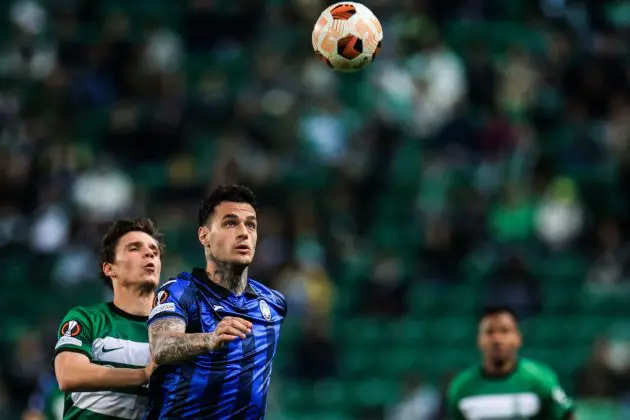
(499, 338)
(231, 233)
(137, 261)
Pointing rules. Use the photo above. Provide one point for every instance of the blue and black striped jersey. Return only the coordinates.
(230, 382)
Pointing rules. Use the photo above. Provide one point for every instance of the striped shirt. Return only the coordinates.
(230, 382)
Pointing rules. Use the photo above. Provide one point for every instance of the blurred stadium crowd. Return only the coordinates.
(483, 158)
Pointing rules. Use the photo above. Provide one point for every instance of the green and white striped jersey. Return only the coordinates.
(111, 337)
(532, 391)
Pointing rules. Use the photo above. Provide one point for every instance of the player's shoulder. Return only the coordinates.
(87, 311)
(269, 294)
(83, 318)
(178, 285)
(536, 369)
(464, 379)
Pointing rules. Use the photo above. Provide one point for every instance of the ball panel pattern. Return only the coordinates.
(343, 11)
(349, 47)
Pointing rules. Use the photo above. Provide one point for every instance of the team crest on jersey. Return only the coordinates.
(264, 310)
(160, 298)
(71, 328)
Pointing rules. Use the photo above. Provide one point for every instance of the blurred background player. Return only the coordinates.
(506, 386)
(102, 358)
(214, 331)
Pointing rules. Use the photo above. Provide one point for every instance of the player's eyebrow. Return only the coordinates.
(234, 216)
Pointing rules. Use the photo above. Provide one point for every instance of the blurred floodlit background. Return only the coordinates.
(484, 158)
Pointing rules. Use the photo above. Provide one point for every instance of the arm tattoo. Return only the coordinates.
(170, 343)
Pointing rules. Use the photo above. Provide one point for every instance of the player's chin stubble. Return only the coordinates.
(147, 287)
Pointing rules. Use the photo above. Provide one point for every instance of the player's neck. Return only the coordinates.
(229, 276)
(494, 369)
(133, 301)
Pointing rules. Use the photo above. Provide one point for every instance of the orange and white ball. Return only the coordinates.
(347, 36)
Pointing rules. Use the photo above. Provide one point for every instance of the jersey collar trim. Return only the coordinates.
(201, 275)
(124, 314)
(505, 375)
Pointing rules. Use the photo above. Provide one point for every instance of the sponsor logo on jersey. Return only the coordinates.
(161, 308)
(217, 308)
(160, 298)
(108, 350)
(71, 328)
(264, 310)
(68, 341)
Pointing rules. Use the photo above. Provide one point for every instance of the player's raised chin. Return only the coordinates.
(231, 233)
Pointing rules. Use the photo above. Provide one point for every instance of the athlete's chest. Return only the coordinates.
(257, 310)
(516, 398)
(523, 405)
(121, 344)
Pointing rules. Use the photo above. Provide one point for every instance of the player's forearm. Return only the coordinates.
(173, 347)
(92, 377)
(171, 344)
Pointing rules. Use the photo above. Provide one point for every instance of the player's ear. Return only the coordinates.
(108, 269)
(203, 233)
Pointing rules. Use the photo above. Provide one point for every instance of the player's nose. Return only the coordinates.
(242, 231)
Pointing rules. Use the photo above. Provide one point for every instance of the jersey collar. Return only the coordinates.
(201, 275)
(505, 375)
(124, 314)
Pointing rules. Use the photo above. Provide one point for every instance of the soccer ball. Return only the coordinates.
(347, 36)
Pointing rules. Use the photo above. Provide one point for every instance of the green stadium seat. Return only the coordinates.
(376, 392)
(295, 395)
(329, 394)
(595, 409)
(453, 331)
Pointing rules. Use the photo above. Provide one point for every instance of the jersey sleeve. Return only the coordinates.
(173, 299)
(75, 333)
(560, 405)
(282, 303)
(452, 402)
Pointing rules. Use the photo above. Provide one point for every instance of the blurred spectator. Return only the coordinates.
(609, 272)
(513, 218)
(103, 192)
(442, 254)
(595, 379)
(315, 353)
(421, 401)
(559, 217)
(27, 361)
(385, 290)
(163, 51)
(47, 402)
(519, 79)
(51, 224)
(513, 285)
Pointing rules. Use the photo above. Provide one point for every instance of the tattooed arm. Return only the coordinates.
(171, 344)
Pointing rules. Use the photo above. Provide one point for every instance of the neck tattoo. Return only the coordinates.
(232, 277)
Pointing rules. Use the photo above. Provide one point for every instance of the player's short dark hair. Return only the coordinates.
(223, 193)
(117, 230)
(498, 310)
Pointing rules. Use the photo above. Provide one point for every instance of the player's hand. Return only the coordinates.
(148, 370)
(230, 328)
